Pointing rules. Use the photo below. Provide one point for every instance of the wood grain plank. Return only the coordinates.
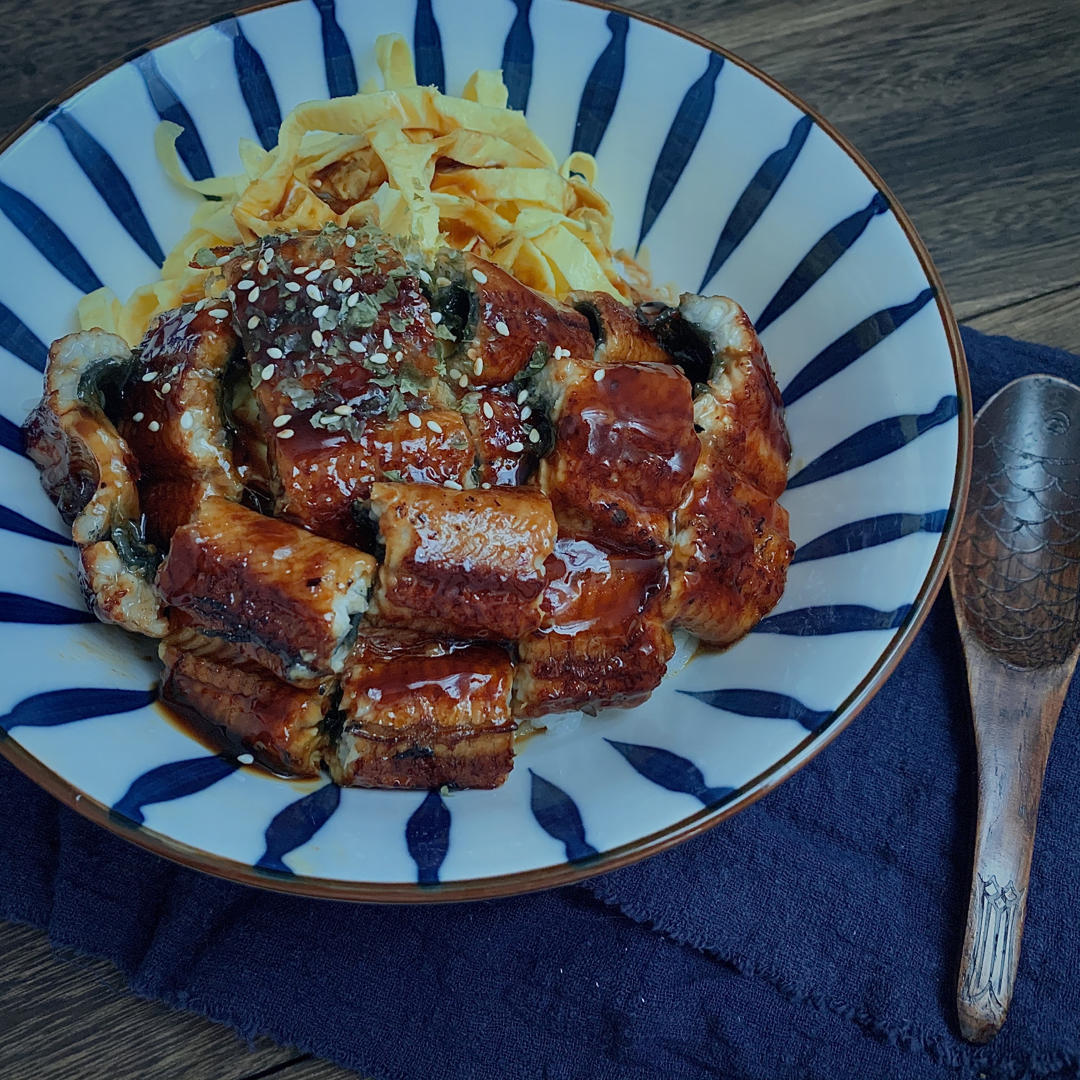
(65, 1016)
(1053, 319)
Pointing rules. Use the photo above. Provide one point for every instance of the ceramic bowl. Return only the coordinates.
(734, 187)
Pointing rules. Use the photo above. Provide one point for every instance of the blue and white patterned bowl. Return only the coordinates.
(735, 188)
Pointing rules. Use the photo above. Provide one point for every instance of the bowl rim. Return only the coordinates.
(547, 877)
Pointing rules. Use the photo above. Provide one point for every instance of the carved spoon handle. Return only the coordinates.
(1015, 714)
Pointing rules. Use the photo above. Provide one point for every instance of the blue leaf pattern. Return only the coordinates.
(11, 438)
(832, 619)
(256, 87)
(680, 143)
(763, 703)
(602, 88)
(853, 344)
(671, 771)
(559, 817)
(427, 836)
(296, 825)
(168, 106)
(427, 48)
(28, 609)
(517, 58)
(55, 707)
(755, 198)
(169, 782)
(109, 181)
(11, 521)
(820, 259)
(338, 57)
(49, 239)
(869, 532)
(873, 442)
(21, 341)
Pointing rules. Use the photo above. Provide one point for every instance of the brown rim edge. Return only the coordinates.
(568, 873)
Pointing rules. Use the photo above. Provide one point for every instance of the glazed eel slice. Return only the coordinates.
(625, 449)
(89, 472)
(219, 686)
(173, 417)
(495, 326)
(294, 597)
(417, 712)
(462, 563)
(732, 549)
(343, 363)
(602, 641)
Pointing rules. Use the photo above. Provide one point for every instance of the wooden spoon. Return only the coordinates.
(1015, 581)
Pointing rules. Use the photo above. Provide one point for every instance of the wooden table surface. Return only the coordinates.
(968, 111)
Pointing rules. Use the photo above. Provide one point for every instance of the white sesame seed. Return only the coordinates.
(253, 322)
(350, 240)
(343, 410)
(264, 266)
(201, 304)
(425, 277)
(526, 412)
(326, 264)
(356, 346)
(267, 371)
(311, 275)
(314, 292)
(433, 426)
(515, 447)
(522, 396)
(316, 338)
(486, 486)
(463, 380)
(274, 353)
(246, 759)
(478, 366)
(166, 387)
(286, 433)
(489, 412)
(502, 328)
(353, 300)
(442, 282)
(414, 420)
(253, 295)
(247, 264)
(154, 425)
(453, 485)
(534, 435)
(387, 339)
(480, 276)
(300, 271)
(223, 259)
(149, 376)
(282, 420)
(598, 374)
(246, 284)
(292, 286)
(399, 356)
(186, 421)
(138, 417)
(320, 311)
(436, 317)
(379, 358)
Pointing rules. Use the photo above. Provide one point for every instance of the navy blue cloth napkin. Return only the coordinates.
(813, 935)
